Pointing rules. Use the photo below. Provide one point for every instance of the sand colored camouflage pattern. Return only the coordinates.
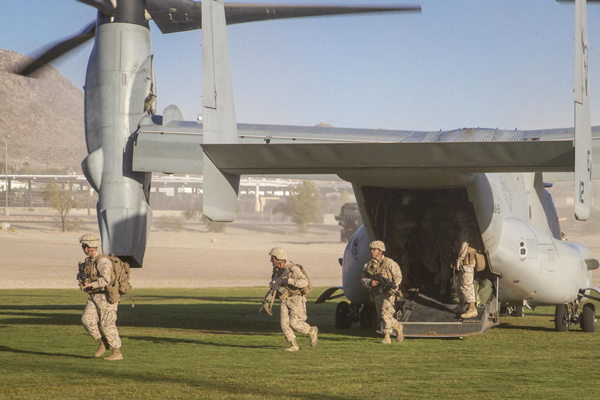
(293, 307)
(296, 279)
(466, 290)
(279, 253)
(90, 240)
(377, 244)
(384, 302)
(293, 317)
(385, 308)
(387, 267)
(100, 317)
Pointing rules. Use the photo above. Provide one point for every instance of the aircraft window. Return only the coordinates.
(523, 251)
(522, 244)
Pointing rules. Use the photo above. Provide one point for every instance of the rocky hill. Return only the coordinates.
(44, 116)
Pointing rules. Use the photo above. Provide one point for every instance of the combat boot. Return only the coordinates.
(386, 339)
(471, 312)
(294, 346)
(312, 334)
(116, 355)
(399, 332)
(102, 349)
(461, 306)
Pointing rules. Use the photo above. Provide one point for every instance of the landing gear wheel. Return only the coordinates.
(368, 316)
(519, 311)
(588, 318)
(561, 318)
(342, 316)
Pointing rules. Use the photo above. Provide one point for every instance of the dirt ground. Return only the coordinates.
(38, 255)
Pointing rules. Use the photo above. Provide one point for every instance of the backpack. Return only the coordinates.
(308, 288)
(119, 281)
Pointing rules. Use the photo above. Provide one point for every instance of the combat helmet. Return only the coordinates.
(90, 240)
(377, 244)
(279, 253)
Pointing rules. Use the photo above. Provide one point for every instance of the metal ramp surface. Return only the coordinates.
(424, 316)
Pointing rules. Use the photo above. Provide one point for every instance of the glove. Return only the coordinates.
(284, 282)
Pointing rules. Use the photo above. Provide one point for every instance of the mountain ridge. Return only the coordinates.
(43, 115)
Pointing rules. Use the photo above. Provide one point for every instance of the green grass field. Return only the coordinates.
(212, 343)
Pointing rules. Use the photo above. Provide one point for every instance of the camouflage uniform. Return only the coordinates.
(384, 301)
(293, 304)
(100, 317)
(466, 290)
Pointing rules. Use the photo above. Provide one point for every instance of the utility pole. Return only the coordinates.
(6, 210)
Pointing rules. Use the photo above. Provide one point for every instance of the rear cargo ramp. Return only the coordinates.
(423, 316)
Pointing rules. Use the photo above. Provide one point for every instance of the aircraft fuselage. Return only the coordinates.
(516, 220)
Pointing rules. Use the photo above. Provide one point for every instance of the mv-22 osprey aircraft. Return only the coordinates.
(496, 177)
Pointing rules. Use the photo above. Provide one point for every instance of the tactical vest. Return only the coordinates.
(119, 278)
(384, 268)
(91, 272)
(293, 290)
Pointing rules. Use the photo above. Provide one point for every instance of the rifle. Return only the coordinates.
(81, 276)
(384, 283)
(275, 287)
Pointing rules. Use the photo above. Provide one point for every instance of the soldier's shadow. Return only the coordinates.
(509, 326)
(39, 353)
(163, 340)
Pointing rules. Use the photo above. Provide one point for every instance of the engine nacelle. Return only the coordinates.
(118, 82)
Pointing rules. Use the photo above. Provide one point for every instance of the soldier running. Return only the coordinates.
(99, 317)
(384, 300)
(293, 302)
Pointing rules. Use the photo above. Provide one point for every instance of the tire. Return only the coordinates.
(519, 311)
(561, 318)
(342, 316)
(368, 316)
(588, 318)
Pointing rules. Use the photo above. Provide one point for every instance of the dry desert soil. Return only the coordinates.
(38, 255)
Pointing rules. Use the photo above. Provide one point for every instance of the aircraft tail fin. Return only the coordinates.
(583, 130)
(218, 112)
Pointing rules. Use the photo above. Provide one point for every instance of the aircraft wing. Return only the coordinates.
(323, 158)
(176, 147)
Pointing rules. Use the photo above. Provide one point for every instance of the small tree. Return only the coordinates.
(302, 205)
(62, 201)
(196, 212)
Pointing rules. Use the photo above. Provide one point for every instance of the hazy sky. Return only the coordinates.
(460, 63)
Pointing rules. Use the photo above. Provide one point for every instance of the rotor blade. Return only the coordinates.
(59, 49)
(104, 6)
(186, 15)
(239, 13)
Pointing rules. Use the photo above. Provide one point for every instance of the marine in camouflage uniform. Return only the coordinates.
(384, 301)
(465, 266)
(293, 302)
(99, 317)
